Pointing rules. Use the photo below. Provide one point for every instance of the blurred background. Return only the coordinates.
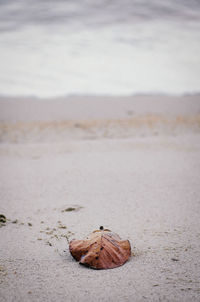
(113, 47)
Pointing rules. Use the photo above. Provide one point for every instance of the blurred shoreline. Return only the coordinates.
(112, 47)
(93, 117)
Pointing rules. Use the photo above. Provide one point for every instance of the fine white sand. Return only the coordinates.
(129, 164)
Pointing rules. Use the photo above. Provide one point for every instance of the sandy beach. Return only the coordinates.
(131, 164)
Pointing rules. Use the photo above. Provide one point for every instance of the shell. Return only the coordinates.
(102, 249)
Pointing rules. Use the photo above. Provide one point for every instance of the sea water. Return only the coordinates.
(113, 47)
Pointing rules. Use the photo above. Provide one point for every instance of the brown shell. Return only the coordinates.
(102, 249)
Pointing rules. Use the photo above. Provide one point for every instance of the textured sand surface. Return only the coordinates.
(145, 188)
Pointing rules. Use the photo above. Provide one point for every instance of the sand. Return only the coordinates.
(136, 173)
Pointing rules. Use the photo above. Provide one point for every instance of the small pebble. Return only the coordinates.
(2, 218)
(15, 221)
